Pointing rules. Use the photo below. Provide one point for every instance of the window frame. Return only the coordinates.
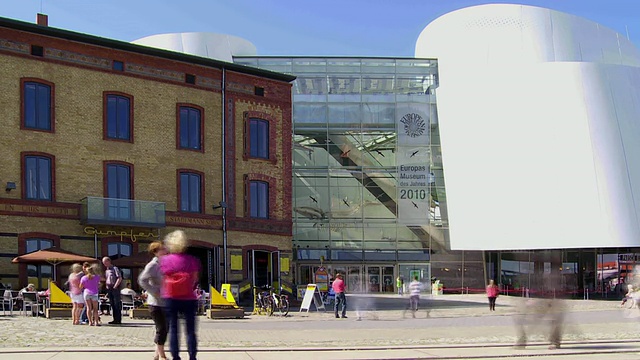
(267, 208)
(105, 116)
(200, 109)
(39, 247)
(201, 202)
(259, 137)
(119, 246)
(23, 99)
(272, 123)
(109, 203)
(52, 174)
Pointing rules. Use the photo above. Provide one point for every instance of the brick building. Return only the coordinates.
(109, 145)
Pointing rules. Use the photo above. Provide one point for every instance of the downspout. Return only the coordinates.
(224, 181)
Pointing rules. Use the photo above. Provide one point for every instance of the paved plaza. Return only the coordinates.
(457, 324)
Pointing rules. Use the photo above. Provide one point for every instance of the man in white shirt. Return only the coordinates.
(128, 291)
(415, 287)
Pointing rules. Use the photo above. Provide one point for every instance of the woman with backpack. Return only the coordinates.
(180, 277)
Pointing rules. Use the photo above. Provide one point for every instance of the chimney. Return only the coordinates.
(42, 20)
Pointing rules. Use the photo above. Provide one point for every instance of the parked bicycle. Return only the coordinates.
(280, 303)
(263, 303)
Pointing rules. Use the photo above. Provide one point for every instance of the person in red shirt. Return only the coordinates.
(492, 294)
(341, 300)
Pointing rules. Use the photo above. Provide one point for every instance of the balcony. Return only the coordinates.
(122, 212)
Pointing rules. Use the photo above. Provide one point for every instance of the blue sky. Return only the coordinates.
(288, 27)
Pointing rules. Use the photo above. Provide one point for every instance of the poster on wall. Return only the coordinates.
(412, 159)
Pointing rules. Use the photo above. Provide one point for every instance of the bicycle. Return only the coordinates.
(263, 303)
(281, 303)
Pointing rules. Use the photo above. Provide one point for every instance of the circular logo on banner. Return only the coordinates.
(414, 124)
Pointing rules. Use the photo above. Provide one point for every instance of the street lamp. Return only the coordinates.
(223, 205)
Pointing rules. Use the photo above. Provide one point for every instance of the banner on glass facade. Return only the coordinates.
(412, 159)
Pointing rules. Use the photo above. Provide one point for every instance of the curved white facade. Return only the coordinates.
(211, 45)
(539, 115)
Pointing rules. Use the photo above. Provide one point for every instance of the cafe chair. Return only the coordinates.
(30, 301)
(8, 301)
(127, 303)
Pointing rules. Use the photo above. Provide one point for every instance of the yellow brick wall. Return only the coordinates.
(77, 142)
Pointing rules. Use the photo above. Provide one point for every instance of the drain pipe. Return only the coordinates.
(224, 180)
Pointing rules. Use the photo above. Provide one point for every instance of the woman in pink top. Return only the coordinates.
(91, 285)
(76, 293)
(492, 294)
(180, 277)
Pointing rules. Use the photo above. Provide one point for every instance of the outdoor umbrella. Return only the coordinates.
(138, 260)
(53, 256)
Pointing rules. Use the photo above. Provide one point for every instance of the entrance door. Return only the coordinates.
(373, 279)
(354, 279)
(207, 272)
(264, 267)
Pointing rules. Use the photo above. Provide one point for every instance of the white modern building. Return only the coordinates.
(535, 132)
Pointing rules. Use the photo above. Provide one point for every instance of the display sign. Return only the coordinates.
(412, 159)
(311, 294)
(322, 279)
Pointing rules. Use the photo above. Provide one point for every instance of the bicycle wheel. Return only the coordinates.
(284, 306)
(269, 305)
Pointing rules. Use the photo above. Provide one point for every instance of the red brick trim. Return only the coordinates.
(202, 190)
(272, 184)
(202, 244)
(52, 103)
(262, 226)
(22, 248)
(105, 185)
(273, 124)
(193, 106)
(105, 95)
(23, 187)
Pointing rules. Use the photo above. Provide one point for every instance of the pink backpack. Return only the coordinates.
(178, 285)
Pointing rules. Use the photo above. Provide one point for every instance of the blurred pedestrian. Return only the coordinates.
(181, 272)
(90, 283)
(77, 298)
(341, 300)
(400, 285)
(415, 287)
(84, 319)
(112, 282)
(151, 281)
(492, 294)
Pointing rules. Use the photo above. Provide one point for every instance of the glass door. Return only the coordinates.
(373, 279)
(354, 279)
(388, 281)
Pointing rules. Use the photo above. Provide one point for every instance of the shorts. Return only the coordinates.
(91, 297)
(78, 299)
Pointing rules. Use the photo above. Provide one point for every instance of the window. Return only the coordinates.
(38, 275)
(118, 117)
(190, 79)
(190, 192)
(37, 50)
(37, 105)
(190, 128)
(259, 199)
(118, 65)
(37, 244)
(118, 250)
(118, 187)
(38, 178)
(259, 138)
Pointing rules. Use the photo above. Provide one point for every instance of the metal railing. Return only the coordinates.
(122, 212)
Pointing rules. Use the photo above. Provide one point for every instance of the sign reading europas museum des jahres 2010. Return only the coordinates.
(412, 159)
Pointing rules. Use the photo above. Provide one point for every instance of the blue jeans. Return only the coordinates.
(341, 299)
(83, 315)
(188, 309)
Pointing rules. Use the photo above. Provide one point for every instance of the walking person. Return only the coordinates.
(341, 300)
(113, 279)
(492, 294)
(90, 283)
(151, 281)
(415, 287)
(77, 298)
(181, 272)
(84, 319)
